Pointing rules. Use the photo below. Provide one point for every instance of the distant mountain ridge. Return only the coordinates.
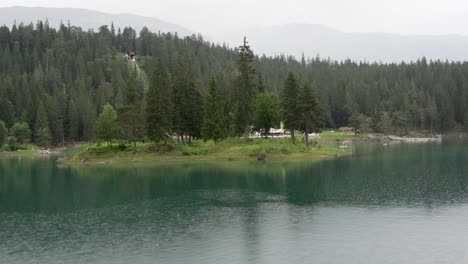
(291, 39)
(86, 19)
(312, 39)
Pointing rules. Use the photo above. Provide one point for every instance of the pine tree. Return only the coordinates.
(290, 105)
(385, 123)
(6, 111)
(214, 121)
(42, 135)
(266, 113)
(106, 125)
(3, 133)
(130, 116)
(261, 87)
(188, 103)
(360, 122)
(159, 105)
(194, 112)
(310, 112)
(57, 108)
(245, 91)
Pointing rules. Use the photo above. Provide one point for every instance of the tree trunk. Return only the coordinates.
(307, 136)
(432, 135)
(293, 138)
(134, 140)
(247, 132)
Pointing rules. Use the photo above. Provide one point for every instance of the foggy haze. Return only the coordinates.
(214, 16)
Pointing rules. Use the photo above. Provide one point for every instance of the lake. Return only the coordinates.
(403, 203)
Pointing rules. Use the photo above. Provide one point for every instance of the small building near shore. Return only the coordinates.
(131, 56)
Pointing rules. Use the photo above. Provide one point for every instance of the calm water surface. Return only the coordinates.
(395, 204)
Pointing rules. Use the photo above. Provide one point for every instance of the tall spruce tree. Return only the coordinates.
(130, 114)
(188, 103)
(42, 134)
(159, 105)
(310, 112)
(3, 133)
(245, 91)
(261, 86)
(193, 113)
(290, 105)
(214, 121)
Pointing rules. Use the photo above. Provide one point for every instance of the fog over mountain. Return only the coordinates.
(86, 19)
(311, 40)
(293, 39)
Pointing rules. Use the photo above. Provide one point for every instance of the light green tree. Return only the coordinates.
(360, 122)
(107, 127)
(266, 113)
(21, 132)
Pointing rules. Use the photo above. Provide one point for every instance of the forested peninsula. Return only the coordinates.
(116, 91)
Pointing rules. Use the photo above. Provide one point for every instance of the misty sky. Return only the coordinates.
(396, 16)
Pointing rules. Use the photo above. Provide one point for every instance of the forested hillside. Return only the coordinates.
(58, 82)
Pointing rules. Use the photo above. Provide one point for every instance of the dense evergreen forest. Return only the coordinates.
(62, 85)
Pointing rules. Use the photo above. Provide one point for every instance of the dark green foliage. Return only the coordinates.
(245, 91)
(214, 121)
(159, 105)
(81, 114)
(310, 120)
(130, 115)
(107, 128)
(360, 123)
(289, 105)
(6, 111)
(267, 114)
(21, 132)
(73, 73)
(261, 86)
(43, 137)
(188, 103)
(13, 144)
(384, 124)
(3, 133)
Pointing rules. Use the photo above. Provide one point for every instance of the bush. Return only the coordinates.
(122, 147)
(21, 132)
(13, 144)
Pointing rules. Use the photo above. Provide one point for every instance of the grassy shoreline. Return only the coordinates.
(330, 145)
(28, 151)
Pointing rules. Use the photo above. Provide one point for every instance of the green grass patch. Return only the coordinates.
(327, 146)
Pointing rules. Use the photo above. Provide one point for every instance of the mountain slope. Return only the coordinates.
(85, 18)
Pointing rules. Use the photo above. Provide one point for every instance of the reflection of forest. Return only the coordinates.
(427, 173)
